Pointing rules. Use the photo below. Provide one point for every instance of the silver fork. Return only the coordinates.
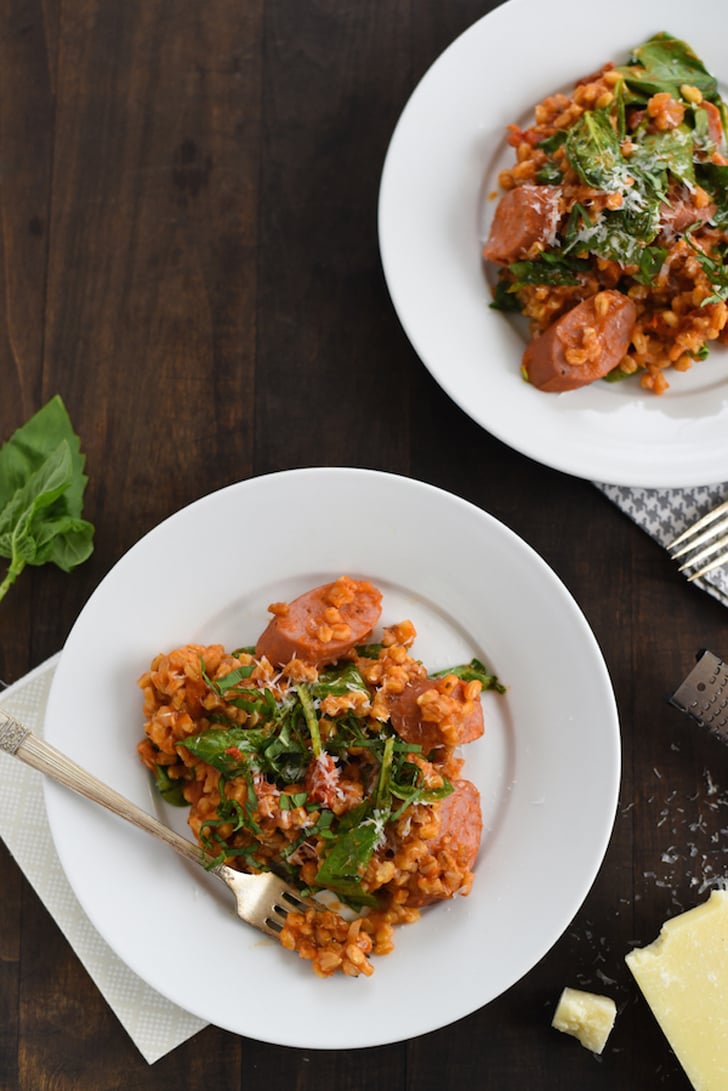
(709, 532)
(262, 900)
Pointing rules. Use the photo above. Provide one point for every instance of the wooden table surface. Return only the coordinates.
(189, 257)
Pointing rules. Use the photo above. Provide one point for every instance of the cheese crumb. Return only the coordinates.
(587, 1016)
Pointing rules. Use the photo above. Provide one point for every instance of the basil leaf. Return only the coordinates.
(41, 495)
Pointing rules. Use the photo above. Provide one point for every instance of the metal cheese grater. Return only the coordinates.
(704, 694)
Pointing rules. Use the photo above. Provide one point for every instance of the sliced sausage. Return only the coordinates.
(456, 845)
(525, 215)
(448, 718)
(323, 624)
(678, 212)
(599, 329)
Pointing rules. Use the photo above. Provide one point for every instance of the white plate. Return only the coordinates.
(547, 767)
(434, 208)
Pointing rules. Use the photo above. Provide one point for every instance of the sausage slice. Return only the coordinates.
(595, 335)
(321, 625)
(454, 848)
(525, 215)
(678, 212)
(435, 712)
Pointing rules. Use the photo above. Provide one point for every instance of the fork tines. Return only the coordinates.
(709, 537)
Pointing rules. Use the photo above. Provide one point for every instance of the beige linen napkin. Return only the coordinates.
(155, 1025)
(665, 513)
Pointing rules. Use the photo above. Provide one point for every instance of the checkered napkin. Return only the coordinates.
(665, 513)
(155, 1025)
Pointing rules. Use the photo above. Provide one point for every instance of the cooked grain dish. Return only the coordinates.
(612, 232)
(329, 758)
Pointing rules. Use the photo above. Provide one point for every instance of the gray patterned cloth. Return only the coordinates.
(665, 513)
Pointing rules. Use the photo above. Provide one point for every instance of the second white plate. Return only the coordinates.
(442, 163)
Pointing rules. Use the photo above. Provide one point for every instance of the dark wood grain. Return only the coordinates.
(188, 255)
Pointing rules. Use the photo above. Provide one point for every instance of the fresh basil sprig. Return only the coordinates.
(42, 482)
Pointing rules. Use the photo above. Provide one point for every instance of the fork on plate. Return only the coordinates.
(704, 545)
(262, 900)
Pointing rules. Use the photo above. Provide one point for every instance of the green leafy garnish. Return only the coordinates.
(547, 268)
(310, 718)
(664, 64)
(714, 179)
(345, 863)
(714, 269)
(339, 681)
(42, 482)
(171, 791)
(474, 671)
(592, 148)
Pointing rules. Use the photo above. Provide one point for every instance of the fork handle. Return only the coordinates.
(19, 740)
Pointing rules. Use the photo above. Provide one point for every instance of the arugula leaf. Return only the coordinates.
(650, 263)
(551, 143)
(310, 718)
(234, 750)
(339, 681)
(41, 495)
(368, 651)
(342, 869)
(714, 179)
(504, 297)
(547, 268)
(715, 269)
(472, 672)
(549, 174)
